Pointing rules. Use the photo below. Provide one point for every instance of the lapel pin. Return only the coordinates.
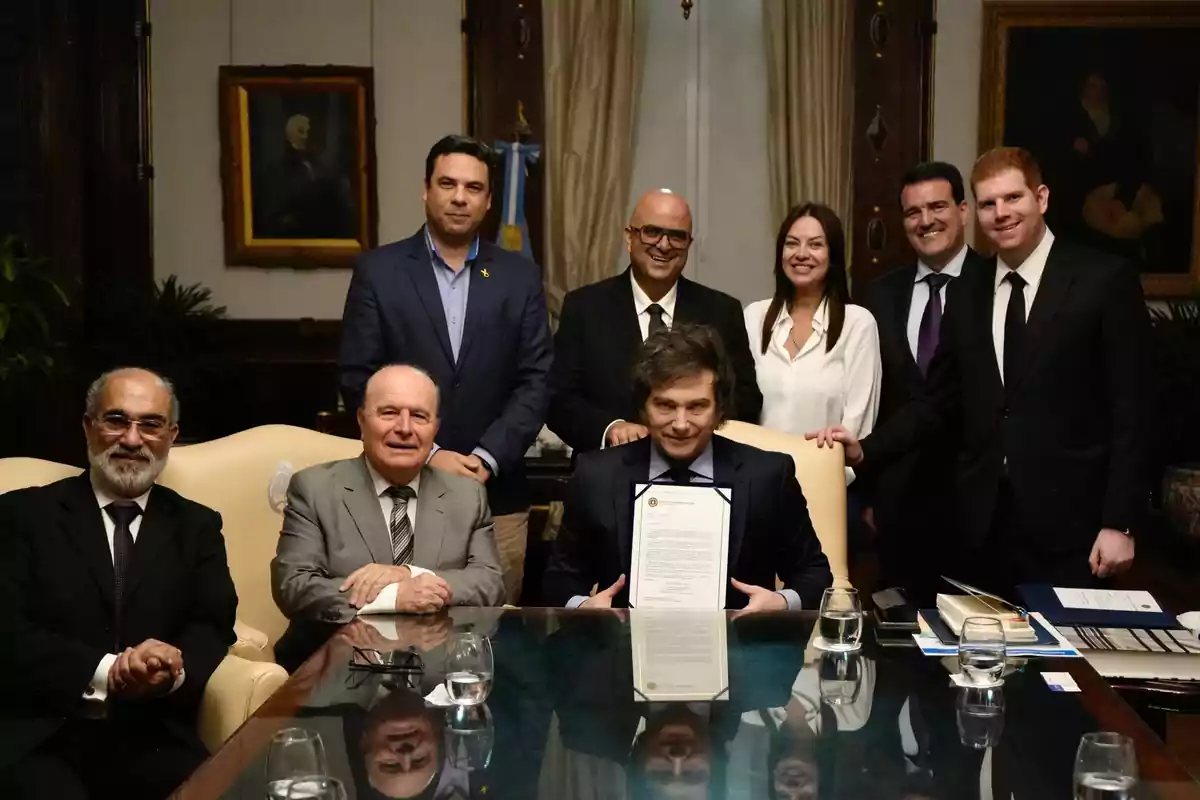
(484, 273)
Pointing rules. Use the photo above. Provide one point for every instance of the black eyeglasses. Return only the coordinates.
(399, 662)
(116, 424)
(653, 234)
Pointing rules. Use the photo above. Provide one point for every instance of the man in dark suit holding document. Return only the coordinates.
(683, 386)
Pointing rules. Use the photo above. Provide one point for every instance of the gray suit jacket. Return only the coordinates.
(333, 525)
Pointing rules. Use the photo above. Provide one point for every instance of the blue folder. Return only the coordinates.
(947, 636)
(1040, 597)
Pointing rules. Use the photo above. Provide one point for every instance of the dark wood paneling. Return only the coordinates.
(504, 59)
(893, 55)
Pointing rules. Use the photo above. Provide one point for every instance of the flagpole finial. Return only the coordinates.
(686, 5)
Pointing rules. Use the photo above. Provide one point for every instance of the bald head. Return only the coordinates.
(398, 421)
(404, 378)
(658, 238)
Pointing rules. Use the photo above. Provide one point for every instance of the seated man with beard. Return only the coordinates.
(116, 605)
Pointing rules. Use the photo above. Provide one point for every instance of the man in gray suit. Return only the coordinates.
(385, 533)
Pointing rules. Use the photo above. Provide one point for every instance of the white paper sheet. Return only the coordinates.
(1107, 600)
(679, 656)
(680, 547)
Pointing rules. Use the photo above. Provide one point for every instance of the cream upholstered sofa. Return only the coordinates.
(245, 477)
(237, 687)
(822, 477)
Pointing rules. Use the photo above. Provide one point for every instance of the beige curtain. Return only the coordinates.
(592, 58)
(810, 103)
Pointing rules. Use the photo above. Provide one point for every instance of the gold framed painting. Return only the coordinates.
(1106, 95)
(297, 165)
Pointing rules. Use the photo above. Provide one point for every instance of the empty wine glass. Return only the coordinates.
(841, 619)
(980, 715)
(469, 668)
(1105, 767)
(316, 787)
(981, 650)
(294, 753)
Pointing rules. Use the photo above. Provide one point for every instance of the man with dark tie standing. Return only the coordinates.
(603, 325)
(912, 505)
(471, 315)
(1052, 478)
(683, 386)
(116, 606)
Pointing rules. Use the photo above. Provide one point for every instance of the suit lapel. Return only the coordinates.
(82, 526)
(484, 298)
(727, 471)
(635, 469)
(902, 304)
(1052, 290)
(626, 330)
(157, 530)
(358, 495)
(430, 531)
(981, 298)
(418, 269)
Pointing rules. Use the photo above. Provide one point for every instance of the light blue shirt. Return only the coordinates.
(703, 471)
(454, 287)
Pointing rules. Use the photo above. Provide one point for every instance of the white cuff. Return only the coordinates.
(97, 690)
(604, 438)
(384, 603)
(179, 679)
(576, 601)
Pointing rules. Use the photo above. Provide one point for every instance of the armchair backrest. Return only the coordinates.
(822, 477)
(21, 473)
(245, 477)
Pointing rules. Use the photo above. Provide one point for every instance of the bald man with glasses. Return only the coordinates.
(602, 327)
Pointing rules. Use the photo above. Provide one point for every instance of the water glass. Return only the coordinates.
(294, 753)
(1105, 767)
(469, 668)
(841, 621)
(981, 650)
(316, 787)
(980, 715)
(470, 737)
(841, 676)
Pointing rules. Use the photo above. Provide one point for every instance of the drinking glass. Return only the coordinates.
(470, 737)
(316, 787)
(841, 620)
(841, 676)
(294, 753)
(1105, 767)
(981, 650)
(469, 668)
(980, 715)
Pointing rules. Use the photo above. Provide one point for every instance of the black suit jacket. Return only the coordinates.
(56, 607)
(912, 494)
(1072, 424)
(495, 396)
(597, 345)
(769, 530)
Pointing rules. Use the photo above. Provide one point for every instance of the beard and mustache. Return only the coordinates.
(129, 472)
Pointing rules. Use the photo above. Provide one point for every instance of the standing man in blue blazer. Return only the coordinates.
(474, 317)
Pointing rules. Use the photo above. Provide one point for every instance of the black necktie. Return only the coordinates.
(680, 474)
(656, 319)
(931, 321)
(401, 528)
(122, 515)
(1014, 327)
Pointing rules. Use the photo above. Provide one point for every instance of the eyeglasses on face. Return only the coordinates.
(653, 234)
(116, 424)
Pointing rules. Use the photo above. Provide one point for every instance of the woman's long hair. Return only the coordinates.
(837, 287)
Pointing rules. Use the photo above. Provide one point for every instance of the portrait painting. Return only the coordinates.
(1106, 95)
(298, 165)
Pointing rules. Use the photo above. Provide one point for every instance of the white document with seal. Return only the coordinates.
(679, 655)
(680, 551)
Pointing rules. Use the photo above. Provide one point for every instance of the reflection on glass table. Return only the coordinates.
(563, 719)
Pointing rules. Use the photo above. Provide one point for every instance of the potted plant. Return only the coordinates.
(1177, 337)
(29, 302)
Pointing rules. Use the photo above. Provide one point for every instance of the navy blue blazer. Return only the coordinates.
(495, 396)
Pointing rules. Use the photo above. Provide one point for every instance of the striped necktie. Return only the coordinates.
(401, 528)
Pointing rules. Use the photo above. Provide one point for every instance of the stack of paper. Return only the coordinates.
(946, 645)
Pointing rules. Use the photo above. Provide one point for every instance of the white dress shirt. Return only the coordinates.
(817, 389)
(1031, 271)
(641, 302)
(98, 688)
(385, 601)
(920, 294)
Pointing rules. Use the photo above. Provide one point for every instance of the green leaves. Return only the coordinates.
(29, 300)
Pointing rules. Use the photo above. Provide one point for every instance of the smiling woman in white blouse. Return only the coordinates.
(816, 356)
